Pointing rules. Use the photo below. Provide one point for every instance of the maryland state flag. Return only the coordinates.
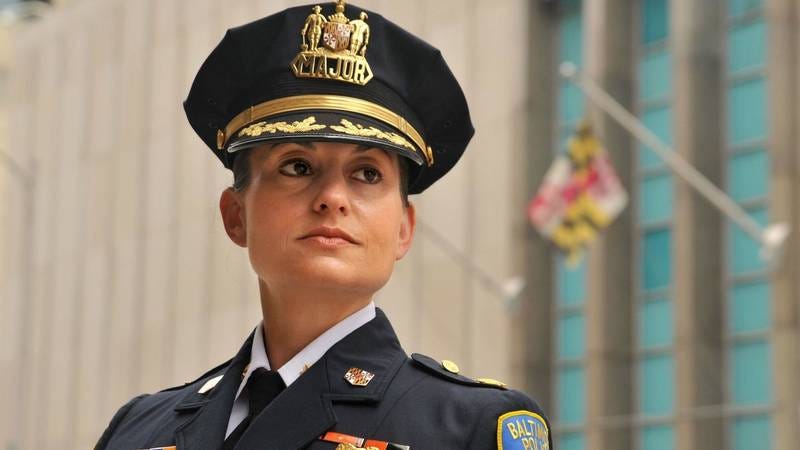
(581, 194)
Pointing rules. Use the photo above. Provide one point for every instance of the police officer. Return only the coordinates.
(329, 117)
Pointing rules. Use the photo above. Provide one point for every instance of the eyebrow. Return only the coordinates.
(307, 144)
(361, 148)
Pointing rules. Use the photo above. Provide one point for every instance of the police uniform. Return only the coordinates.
(333, 72)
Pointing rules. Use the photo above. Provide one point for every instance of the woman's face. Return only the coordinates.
(322, 215)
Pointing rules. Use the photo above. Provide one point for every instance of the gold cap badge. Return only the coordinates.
(342, 53)
(358, 377)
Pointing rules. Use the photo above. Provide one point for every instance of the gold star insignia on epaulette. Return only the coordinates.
(450, 366)
(491, 382)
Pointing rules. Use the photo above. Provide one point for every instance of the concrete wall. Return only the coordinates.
(118, 276)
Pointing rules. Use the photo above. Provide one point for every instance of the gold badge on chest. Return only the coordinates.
(353, 447)
(334, 47)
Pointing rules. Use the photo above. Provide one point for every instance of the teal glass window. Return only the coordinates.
(739, 7)
(655, 203)
(655, 323)
(571, 35)
(571, 395)
(743, 250)
(749, 307)
(750, 378)
(747, 111)
(571, 336)
(747, 46)
(656, 260)
(571, 103)
(752, 433)
(655, 20)
(659, 121)
(655, 385)
(655, 75)
(748, 175)
(658, 437)
(571, 288)
(571, 441)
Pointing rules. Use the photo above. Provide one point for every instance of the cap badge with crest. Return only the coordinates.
(334, 47)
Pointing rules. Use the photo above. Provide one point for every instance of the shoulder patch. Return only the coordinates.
(449, 371)
(522, 430)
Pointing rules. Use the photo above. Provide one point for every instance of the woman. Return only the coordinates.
(325, 145)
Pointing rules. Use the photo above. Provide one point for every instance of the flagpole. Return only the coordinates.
(507, 290)
(770, 238)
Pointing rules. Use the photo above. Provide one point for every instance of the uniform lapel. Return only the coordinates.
(206, 429)
(305, 410)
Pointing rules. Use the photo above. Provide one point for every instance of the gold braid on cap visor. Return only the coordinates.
(323, 103)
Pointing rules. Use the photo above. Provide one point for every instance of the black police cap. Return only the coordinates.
(331, 72)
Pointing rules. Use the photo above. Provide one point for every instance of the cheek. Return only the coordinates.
(269, 227)
(384, 228)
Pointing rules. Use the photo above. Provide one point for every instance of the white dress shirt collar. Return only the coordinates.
(292, 370)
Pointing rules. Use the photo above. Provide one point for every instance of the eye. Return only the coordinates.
(295, 168)
(369, 175)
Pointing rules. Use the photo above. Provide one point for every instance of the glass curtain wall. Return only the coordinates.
(570, 376)
(654, 353)
(748, 290)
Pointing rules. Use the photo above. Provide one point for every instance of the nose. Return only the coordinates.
(332, 196)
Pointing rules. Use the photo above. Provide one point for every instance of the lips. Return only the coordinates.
(330, 232)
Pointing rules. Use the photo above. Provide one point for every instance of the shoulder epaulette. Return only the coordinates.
(449, 370)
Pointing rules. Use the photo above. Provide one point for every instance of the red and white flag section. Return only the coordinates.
(581, 194)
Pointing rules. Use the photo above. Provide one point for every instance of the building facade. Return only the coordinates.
(674, 333)
(671, 333)
(120, 278)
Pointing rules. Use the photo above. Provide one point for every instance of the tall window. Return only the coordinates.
(570, 329)
(748, 291)
(655, 362)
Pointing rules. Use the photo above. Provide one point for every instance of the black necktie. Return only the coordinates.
(262, 386)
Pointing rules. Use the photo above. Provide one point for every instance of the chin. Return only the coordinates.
(334, 274)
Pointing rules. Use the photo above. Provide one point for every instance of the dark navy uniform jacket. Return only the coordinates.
(410, 401)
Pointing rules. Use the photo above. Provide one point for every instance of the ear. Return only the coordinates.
(231, 206)
(407, 226)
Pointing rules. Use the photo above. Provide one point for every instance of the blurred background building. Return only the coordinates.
(116, 276)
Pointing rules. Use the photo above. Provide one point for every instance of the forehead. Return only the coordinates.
(325, 147)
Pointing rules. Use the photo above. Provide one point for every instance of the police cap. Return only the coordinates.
(331, 72)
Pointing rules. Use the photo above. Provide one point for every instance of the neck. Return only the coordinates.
(292, 320)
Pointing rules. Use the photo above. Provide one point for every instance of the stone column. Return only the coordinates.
(783, 19)
(697, 33)
(533, 327)
(609, 61)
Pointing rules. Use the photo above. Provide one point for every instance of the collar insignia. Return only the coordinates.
(209, 385)
(358, 377)
(341, 55)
